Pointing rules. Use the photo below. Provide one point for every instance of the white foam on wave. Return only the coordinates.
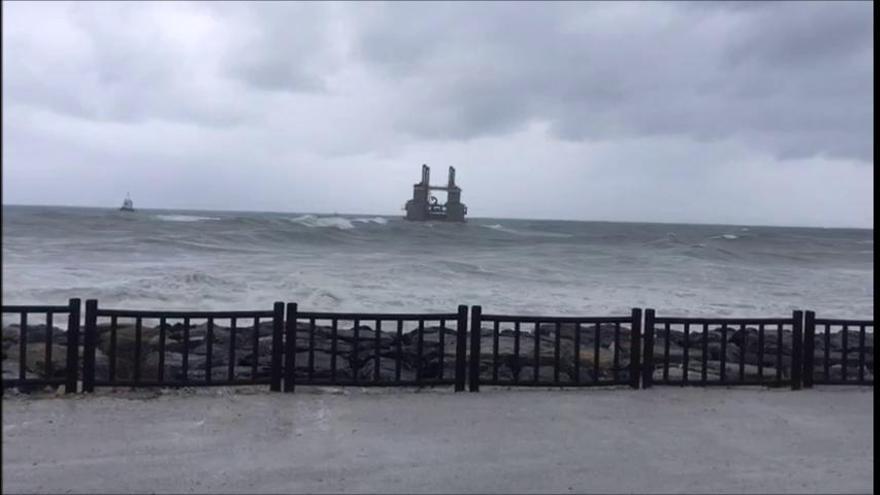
(313, 221)
(525, 233)
(376, 220)
(184, 218)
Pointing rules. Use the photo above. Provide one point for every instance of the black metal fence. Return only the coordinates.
(836, 355)
(134, 348)
(556, 352)
(47, 355)
(375, 349)
(722, 351)
(182, 348)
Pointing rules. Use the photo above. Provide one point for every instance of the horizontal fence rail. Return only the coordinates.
(179, 348)
(838, 351)
(722, 351)
(41, 354)
(374, 349)
(548, 351)
(284, 347)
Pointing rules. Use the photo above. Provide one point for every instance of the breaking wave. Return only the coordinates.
(184, 218)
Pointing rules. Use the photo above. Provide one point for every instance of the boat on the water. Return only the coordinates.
(127, 205)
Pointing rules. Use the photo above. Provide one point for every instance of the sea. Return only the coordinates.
(164, 259)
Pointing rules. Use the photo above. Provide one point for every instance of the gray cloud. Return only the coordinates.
(607, 110)
(793, 78)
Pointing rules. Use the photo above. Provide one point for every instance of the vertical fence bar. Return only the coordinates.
(185, 367)
(556, 344)
(779, 354)
(256, 348)
(724, 353)
(686, 358)
(334, 339)
(420, 357)
(597, 338)
(827, 363)
(460, 350)
(160, 373)
(138, 327)
(232, 344)
(843, 352)
(72, 347)
(277, 345)
(22, 344)
(476, 330)
(704, 372)
(442, 341)
(47, 358)
(209, 350)
(378, 357)
(666, 335)
(536, 375)
(648, 368)
(577, 353)
(809, 348)
(290, 347)
(616, 358)
(311, 372)
(114, 330)
(635, 336)
(89, 346)
(742, 352)
(516, 332)
(495, 344)
(797, 350)
(761, 352)
(399, 362)
(355, 361)
(861, 354)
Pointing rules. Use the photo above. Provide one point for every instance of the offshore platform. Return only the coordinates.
(424, 207)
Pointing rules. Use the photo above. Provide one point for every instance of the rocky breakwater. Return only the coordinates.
(757, 357)
(362, 355)
(517, 361)
(37, 366)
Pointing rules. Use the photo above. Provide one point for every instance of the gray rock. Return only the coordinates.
(36, 360)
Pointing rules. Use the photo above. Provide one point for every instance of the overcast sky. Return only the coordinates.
(743, 113)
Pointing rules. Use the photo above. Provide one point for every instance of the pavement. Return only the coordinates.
(661, 440)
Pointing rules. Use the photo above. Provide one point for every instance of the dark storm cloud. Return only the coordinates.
(793, 78)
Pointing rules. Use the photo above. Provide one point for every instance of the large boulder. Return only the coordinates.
(36, 360)
(386, 370)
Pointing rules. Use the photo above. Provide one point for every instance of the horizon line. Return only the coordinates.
(470, 217)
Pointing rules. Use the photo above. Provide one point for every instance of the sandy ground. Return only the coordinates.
(658, 440)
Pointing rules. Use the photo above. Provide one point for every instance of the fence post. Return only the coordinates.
(797, 352)
(72, 347)
(461, 348)
(89, 341)
(648, 359)
(809, 348)
(476, 335)
(635, 362)
(277, 345)
(290, 347)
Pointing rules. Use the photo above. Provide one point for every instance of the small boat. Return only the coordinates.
(127, 205)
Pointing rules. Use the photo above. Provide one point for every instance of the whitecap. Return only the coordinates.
(376, 220)
(334, 222)
(184, 218)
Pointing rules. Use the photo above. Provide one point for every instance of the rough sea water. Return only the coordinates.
(152, 259)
